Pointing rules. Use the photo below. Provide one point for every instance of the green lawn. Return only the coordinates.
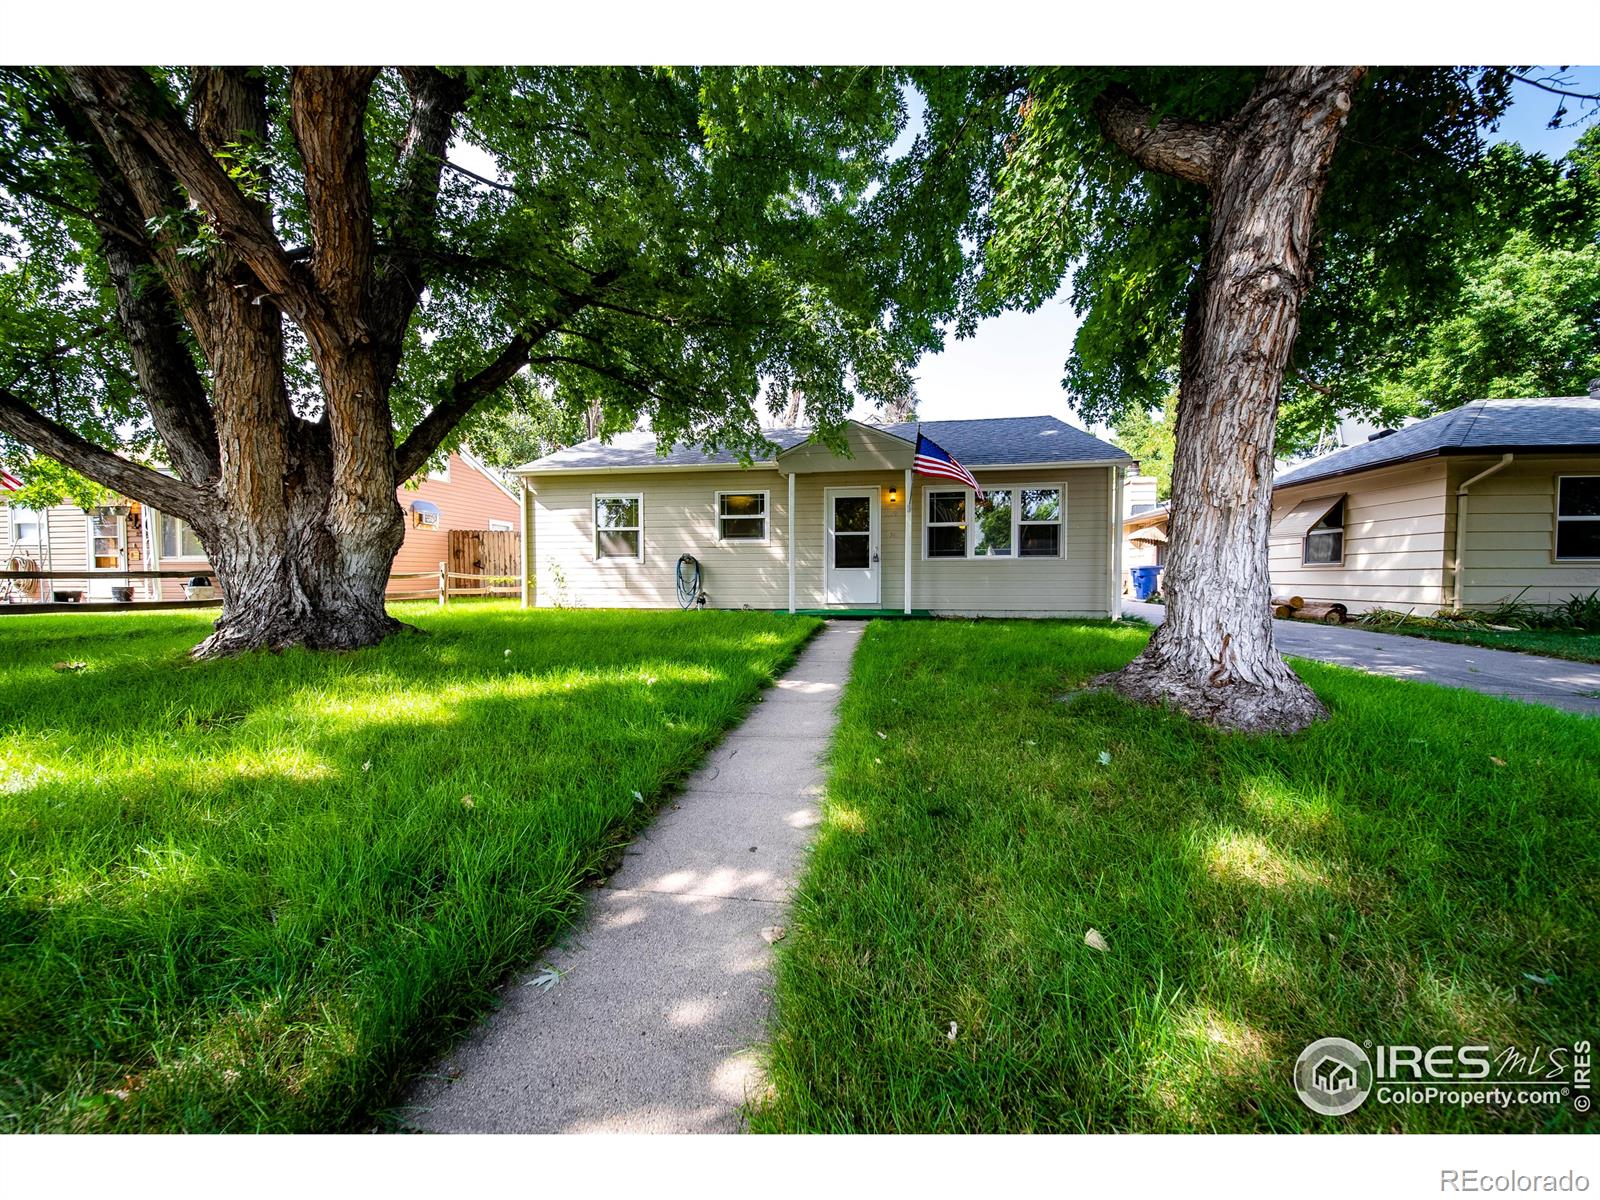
(248, 895)
(1554, 643)
(1396, 874)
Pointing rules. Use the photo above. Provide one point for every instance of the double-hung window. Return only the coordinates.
(1005, 522)
(742, 517)
(26, 525)
(1039, 523)
(1324, 541)
(947, 523)
(178, 540)
(1578, 516)
(993, 539)
(619, 527)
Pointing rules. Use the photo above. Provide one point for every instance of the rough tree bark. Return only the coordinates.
(1266, 170)
(299, 517)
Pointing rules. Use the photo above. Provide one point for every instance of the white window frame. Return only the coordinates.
(496, 525)
(766, 517)
(180, 556)
(440, 476)
(594, 517)
(929, 524)
(1343, 530)
(1016, 555)
(37, 542)
(1017, 522)
(1555, 542)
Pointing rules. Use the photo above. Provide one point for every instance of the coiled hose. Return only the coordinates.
(688, 575)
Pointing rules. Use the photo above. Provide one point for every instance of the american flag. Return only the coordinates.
(934, 459)
(9, 482)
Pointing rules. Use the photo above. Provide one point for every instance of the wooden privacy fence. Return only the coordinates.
(482, 562)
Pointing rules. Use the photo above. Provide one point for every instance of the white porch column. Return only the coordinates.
(908, 542)
(527, 543)
(789, 548)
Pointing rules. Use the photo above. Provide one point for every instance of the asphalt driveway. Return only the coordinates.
(1555, 681)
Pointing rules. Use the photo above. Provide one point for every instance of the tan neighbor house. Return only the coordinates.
(808, 530)
(1494, 500)
(124, 535)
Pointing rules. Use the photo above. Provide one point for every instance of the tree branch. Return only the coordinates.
(468, 393)
(1172, 146)
(163, 492)
(143, 109)
(436, 98)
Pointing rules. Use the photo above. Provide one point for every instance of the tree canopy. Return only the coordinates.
(660, 241)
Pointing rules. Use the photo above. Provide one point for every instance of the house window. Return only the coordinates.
(947, 525)
(1578, 516)
(178, 540)
(1039, 523)
(994, 512)
(1324, 541)
(619, 527)
(742, 516)
(26, 526)
(499, 526)
(440, 474)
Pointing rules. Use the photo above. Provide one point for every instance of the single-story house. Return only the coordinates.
(127, 536)
(810, 530)
(1494, 500)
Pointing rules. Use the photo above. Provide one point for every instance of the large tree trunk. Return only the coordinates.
(287, 581)
(1213, 657)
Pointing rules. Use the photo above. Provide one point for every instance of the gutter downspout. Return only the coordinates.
(1461, 526)
(789, 549)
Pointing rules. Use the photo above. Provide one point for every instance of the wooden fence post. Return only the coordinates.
(444, 584)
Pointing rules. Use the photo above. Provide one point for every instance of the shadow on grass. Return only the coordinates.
(248, 894)
(1393, 875)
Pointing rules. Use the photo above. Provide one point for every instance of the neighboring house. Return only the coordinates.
(128, 536)
(1490, 501)
(1144, 524)
(812, 530)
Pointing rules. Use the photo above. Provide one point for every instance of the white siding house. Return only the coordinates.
(811, 530)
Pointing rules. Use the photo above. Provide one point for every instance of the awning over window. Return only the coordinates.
(1297, 522)
(1152, 534)
(424, 512)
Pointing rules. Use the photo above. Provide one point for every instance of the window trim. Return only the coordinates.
(594, 517)
(497, 525)
(766, 516)
(929, 491)
(180, 557)
(1060, 522)
(1555, 531)
(39, 523)
(1016, 490)
(1343, 531)
(441, 476)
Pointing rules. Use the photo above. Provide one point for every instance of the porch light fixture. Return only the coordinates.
(894, 494)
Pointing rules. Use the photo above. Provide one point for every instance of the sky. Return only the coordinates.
(1013, 364)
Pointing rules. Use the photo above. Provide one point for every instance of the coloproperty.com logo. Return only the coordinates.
(1335, 1076)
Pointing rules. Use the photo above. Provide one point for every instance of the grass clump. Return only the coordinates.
(249, 894)
(1419, 868)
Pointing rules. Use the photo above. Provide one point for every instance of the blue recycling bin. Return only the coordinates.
(1144, 581)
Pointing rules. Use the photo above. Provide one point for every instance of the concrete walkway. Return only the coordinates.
(1553, 681)
(664, 986)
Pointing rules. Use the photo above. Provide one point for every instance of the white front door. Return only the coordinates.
(850, 529)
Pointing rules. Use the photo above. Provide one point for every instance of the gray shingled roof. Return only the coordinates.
(988, 442)
(1481, 427)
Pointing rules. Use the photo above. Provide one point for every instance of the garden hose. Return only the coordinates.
(688, 573)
